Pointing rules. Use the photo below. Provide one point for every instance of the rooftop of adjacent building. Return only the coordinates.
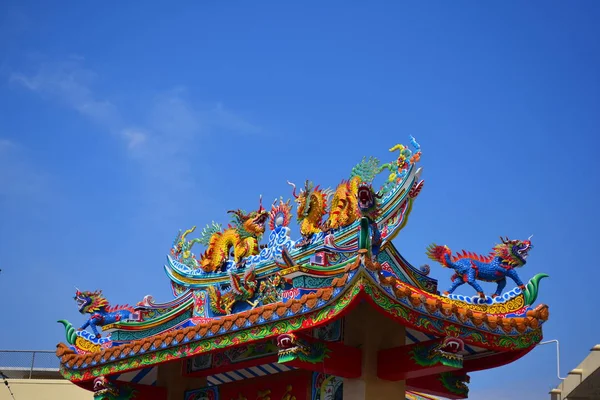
(583, 382)
(29, 364)
(30, 373)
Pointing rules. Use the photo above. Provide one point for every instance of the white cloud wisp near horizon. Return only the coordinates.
(161, 140)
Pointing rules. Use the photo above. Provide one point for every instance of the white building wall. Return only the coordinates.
(43, 389)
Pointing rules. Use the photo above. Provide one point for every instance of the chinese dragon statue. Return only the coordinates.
(344, 205)
(102, 313)
(456, 382)
(104, 389)
(293, 347)
(312, 207)
(352, 199)
(447, 353)
(243, 236)
(496, 267)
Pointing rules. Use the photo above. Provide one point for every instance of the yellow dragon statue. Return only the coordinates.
(350, 196)
(242, 235)
(312, 207)
(344, 206)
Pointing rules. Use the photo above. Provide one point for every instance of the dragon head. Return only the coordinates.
(107, 390)
(463, 382)
(303, 198)
(292, 347)
(514, 252)
(450, 348)
(367, 199)
(253, 222)
(456, 382)
(90, 302)
(286, 341)
(103, 387)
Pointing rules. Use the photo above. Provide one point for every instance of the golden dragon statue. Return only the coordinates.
(352, 198)
(312, 207)
(242, 235)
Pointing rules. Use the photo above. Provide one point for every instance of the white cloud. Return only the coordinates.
(134, 136)
(228, 120)
(5, 145)
(70, 83)
(18, 178)
(162, 141)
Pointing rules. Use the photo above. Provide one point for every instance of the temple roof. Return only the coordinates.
(294, 286)
(408, 305)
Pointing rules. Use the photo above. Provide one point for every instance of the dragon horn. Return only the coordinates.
(529, 238)
(294, 191)
(260, 206)
(507, 240)
(236, 212)
(504, 241)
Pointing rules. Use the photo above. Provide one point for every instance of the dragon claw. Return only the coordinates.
(481, 294)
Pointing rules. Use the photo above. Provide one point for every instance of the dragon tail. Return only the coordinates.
(70, 332)
(440, 254)
(531, 290)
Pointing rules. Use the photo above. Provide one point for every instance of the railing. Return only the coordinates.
(29, 364)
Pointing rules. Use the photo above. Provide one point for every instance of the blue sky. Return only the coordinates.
(120, 125)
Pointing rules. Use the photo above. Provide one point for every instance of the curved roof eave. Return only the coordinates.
(311, 310)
